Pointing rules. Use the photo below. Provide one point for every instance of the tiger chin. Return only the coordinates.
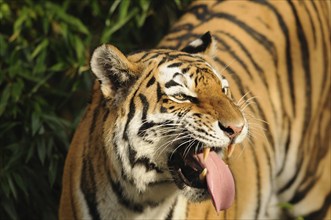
(158, 126)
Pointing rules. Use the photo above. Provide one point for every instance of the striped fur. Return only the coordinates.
(275, 56)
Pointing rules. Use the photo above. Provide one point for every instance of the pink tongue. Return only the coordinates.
(219, 180)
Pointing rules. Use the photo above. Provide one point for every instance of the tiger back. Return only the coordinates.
(236, 120)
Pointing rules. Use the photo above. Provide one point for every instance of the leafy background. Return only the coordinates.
(45, 48)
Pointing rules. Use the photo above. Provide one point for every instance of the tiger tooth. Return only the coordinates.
(206, 151)
(230, 150)
(203, 174)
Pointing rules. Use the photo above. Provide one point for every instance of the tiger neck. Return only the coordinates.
(121, 192)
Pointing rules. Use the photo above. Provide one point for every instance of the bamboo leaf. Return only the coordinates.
(20, 183)
(42, 46)
(107, 34)
(4, 98)
(41, 149)
(35, 123)
(12, 186)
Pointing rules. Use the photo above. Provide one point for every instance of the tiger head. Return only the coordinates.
(171, 120)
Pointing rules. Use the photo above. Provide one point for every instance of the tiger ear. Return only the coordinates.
(205, 45)
(113, 70)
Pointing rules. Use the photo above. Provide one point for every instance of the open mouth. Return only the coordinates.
(201, 167)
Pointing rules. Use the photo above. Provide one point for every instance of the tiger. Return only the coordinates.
(227, 118)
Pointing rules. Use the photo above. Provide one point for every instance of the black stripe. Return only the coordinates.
(158, 92)
(172, 83)
(258, 183)
(233, 54)
(287, 144)
(289, 64)
(247, 53)
(201, 12)
(173, 65)
(132, 110)
(310, 20)
(206, 41)
(307, 111)
(301, 194)
(126, 202)
(88, 187)
(123, 173)
(144, 56)
(94, 117)
(146, 162)
(164, 59)
(160, 182)
(106, 114)
(72, 191)
(298, 167)
(118, 190)
(317, 154)
(322, 212)
(260, 38)
(132, 155)
(144, 127)
(154, 56)
(171, 211)
(151, 82)
(325, 47)
(145, 105)
(305, 59)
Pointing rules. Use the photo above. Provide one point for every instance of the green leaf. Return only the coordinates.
(4, 98)
(114, 6)
(22, 17)
(144, 4)
(20, 183)
(40, 83)
(108, 32)
(57, 67)
(17, 89)
(4, 45)
(4, 11)
(4, 185)
(286, 205)
(75, 23)
(30, 153)
(41, 149)
(9, 208)
(12, 186)
(52, 171)
(42, 46)
(35, 123)
(123, 10)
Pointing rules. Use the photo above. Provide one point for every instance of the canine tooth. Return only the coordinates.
(230, 150)
(203, 174)
(206, 151)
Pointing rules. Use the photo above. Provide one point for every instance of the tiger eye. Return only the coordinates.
(180, 97)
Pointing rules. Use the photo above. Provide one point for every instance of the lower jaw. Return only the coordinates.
(195, 194)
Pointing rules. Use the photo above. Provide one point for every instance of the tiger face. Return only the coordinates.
(171, 121)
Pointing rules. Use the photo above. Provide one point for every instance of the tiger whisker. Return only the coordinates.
(242, 98)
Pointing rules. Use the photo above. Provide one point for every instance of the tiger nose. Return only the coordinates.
(231, 131)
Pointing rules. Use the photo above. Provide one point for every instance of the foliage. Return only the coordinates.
(45, 49)
(288, 209)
